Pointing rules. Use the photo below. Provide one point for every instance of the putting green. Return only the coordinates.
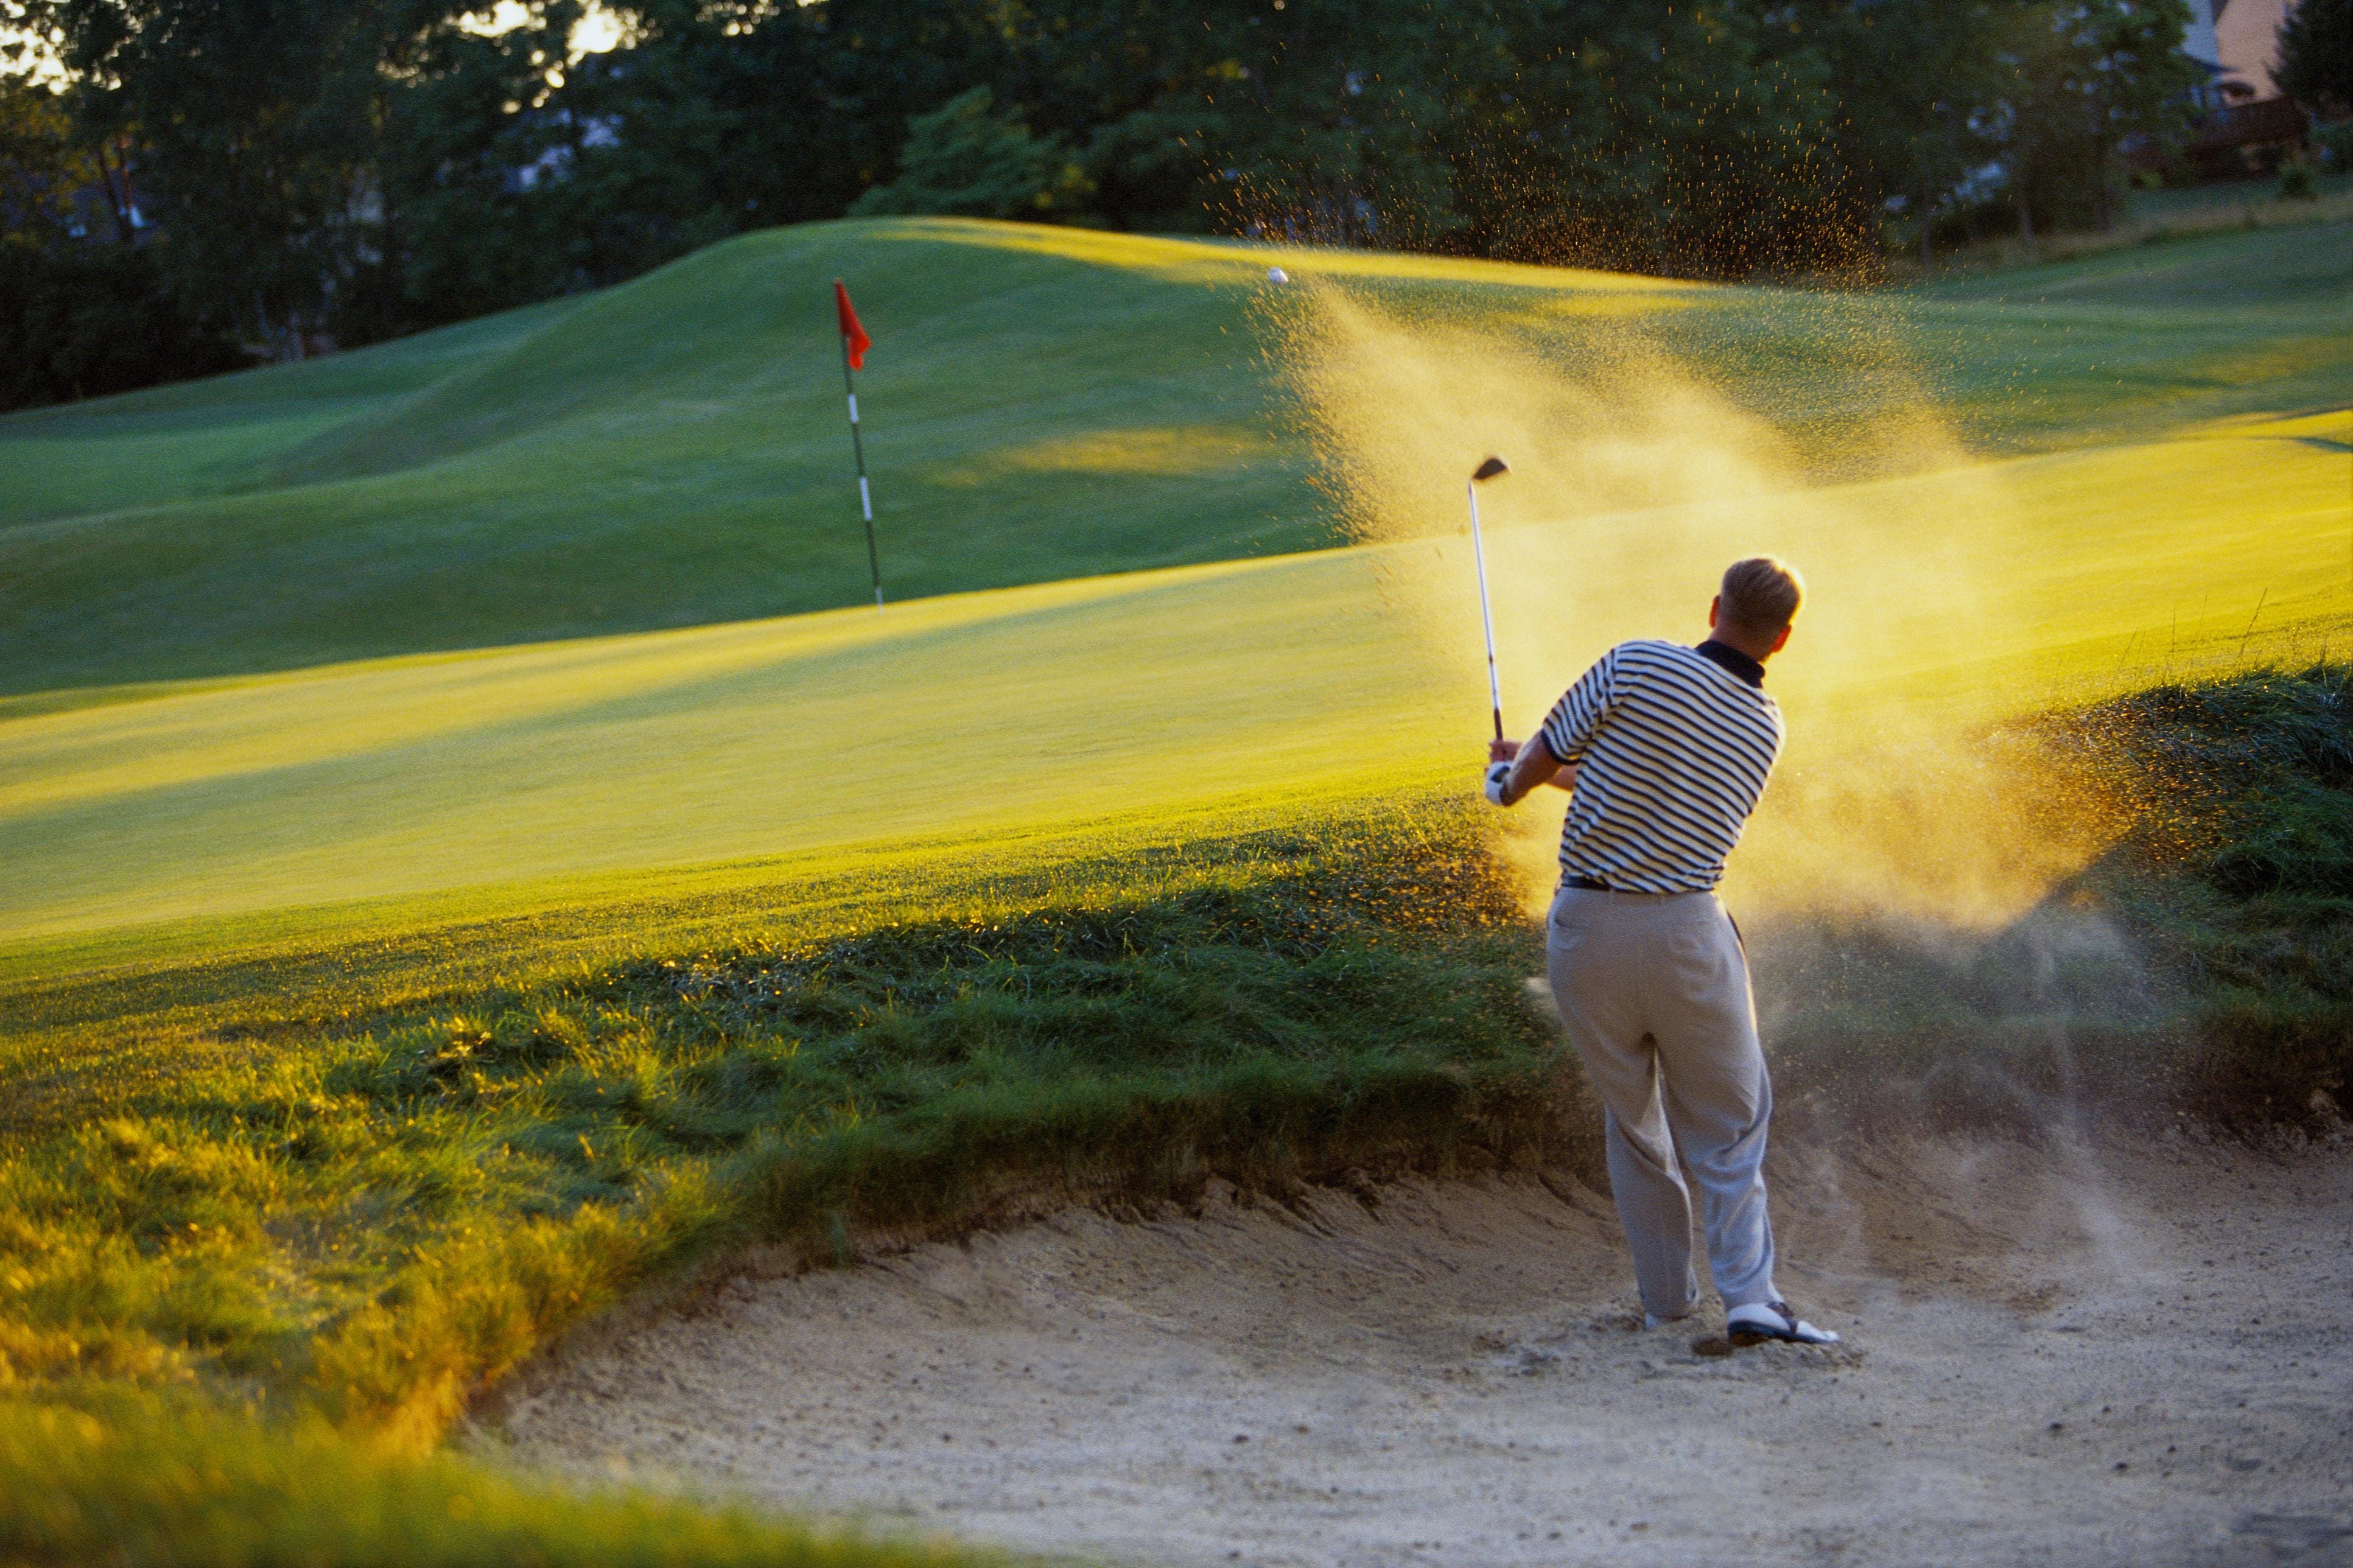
(1010, 711)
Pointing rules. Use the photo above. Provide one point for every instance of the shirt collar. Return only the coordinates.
(1734, 662)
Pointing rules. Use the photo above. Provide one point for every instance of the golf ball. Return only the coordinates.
(1277, 275)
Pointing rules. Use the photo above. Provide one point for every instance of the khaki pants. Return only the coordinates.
(1653, 989)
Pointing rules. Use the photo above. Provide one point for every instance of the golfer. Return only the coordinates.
(1663, 750)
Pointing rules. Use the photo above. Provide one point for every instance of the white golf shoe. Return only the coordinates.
(1760, 1321)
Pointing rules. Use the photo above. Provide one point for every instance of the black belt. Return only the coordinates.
(1590, 885)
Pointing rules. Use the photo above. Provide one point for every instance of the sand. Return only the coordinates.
(2058, 1354)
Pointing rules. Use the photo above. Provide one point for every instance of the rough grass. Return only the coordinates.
(2058, 1016)
(174, 1483)
(2151, 218)
(2202, 964)
(365, 1206)
(2240, 871)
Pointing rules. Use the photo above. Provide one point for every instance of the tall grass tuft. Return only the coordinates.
(369, 1205)
(2241, 863)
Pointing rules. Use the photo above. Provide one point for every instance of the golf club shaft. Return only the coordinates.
(1486, 615)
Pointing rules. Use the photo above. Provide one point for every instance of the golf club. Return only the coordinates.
(1485, 471)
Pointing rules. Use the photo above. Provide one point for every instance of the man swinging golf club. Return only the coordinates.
(1663, 750)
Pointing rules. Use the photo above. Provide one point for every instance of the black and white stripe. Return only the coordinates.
(1672, 751)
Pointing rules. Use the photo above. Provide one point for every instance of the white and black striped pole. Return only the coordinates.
(1487, 471)
(853, 347)
(865, 495)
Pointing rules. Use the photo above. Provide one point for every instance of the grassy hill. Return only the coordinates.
(1042, 405)
(669, 453)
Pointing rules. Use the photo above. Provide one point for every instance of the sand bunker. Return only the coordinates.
(2098, 1356)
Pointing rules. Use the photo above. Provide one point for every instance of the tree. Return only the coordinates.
(467, 229)
(969, 157)
(88, 320)
(2315, 56)
(83, 310)
(254, 120)
(44, 169)
(2083, 79)
(356, 168)
(1916, 85)
(1693, 140)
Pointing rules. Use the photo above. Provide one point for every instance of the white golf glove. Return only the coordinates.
(1496, 773)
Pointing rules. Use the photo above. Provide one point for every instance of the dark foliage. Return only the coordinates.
(83, 321)
(2315, 56)
(340, 170)
(84, 311)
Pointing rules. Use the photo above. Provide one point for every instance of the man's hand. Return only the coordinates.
(1516, 767)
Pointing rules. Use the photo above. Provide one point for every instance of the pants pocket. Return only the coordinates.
(1568, 948)
(1703, 960)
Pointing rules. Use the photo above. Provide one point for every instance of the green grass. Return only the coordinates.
(2229, 196)
(1042, 405)
(220, 436)
(2239, 871)
(670, 453)
(174, 1483)
(998, 713)
(2151, 337)
(440, 897)
(359, 1177)
(2158, 219)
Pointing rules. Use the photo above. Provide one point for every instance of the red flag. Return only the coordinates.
(853, 336)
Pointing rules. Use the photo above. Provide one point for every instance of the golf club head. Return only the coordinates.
(1490, 468)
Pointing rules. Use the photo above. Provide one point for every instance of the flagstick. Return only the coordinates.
(865, 496)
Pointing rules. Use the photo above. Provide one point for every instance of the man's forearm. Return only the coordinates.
(1535, 766)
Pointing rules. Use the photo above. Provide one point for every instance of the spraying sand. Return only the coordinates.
(2058, 1355)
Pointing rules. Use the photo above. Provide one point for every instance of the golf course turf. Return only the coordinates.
(672, 452)
(466, 854)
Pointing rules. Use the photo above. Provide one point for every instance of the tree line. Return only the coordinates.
(216, 177)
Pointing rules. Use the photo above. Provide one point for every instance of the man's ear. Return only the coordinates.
(1715, 609)
(1783, 640)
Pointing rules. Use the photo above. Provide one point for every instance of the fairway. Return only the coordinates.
(1019, 709)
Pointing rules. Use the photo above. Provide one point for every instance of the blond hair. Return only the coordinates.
(1762, 594)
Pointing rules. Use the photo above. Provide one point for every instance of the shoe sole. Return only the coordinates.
(1744, 1339)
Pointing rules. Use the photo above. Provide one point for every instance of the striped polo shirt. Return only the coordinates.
(1672, 745)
